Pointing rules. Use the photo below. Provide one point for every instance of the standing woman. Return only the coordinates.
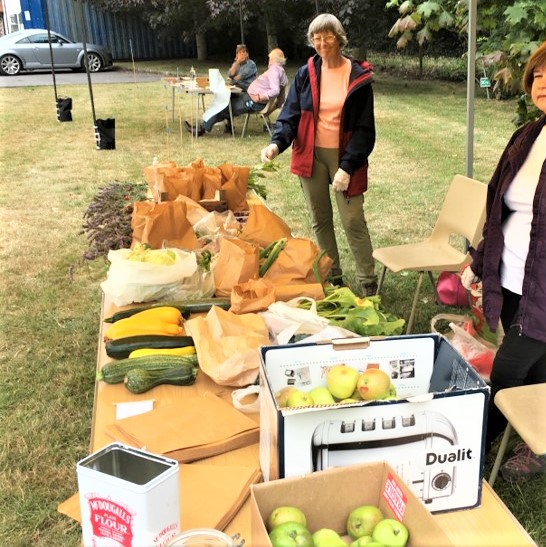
(328, 117)
(511, 261)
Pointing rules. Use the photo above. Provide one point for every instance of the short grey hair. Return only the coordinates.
(277, 56)
(327, 22)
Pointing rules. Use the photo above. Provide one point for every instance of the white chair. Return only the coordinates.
(462, 214)
(275, 103)
(524, 407)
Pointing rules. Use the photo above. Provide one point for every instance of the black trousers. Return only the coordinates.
(520, 360)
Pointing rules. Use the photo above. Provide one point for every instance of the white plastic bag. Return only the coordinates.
(132, 281)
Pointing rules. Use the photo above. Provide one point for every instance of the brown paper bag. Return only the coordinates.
(294, 264)
(237, 261)
(210, 495)
(263, 226)
(192, 428)
(284, 293)
(162, 224)
(235, 186)
(228, 345)
(253, 296)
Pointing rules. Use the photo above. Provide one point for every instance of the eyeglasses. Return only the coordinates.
(328, 39)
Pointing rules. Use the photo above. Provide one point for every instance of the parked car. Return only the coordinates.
(29, 50)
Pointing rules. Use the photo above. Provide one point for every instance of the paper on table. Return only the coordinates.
(133, 408)
(210, 495)
(192, 428)
(221, 94)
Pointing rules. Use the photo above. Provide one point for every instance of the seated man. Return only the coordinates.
(264, 87)
(243, 70)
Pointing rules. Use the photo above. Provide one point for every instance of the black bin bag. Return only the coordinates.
(64, 109)
(105, 134)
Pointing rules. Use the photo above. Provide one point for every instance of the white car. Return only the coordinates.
(29, 50)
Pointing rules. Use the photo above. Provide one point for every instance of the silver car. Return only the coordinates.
(29, 50)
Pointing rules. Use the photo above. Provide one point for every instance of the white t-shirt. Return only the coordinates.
(517, 227)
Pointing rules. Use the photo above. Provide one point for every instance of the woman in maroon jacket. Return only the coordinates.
(328, 117)
(511, 261)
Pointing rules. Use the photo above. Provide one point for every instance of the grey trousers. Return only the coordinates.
(351, 212)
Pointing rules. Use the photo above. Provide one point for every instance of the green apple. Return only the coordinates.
(391, 532)
(285, 513)
(349, 401)
(341, 381)
(362, 520)
(362, 541)
(291, 534)
(366, 541)
(373, 384)
(299, 398)
(321, 396)
(326, 537)
(391, 393)
(282, 395)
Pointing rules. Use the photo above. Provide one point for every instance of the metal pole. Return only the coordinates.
(46, 12)
(86, 61)
(470, 87)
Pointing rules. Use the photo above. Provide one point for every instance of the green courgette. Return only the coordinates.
(186, 307)
(122, 347)
(114, 372)
(138, 380)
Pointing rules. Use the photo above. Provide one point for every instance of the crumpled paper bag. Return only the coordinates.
(237, 261)
(228, 345)
(162, 225)
(263, 226)
(252, 296)
(196, 426)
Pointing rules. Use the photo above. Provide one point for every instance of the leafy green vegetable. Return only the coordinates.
(364, 316)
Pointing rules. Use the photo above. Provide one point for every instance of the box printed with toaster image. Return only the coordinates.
(432, 434)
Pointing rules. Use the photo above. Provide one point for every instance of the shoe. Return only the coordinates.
(369, 290)
(523, 464)
(336, 280)
(191, 129)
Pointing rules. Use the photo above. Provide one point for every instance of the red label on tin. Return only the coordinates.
(111, 520)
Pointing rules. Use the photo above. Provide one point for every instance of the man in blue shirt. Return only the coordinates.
(243, 70)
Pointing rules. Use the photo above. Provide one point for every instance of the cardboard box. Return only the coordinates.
(327, 497)
(433, 436)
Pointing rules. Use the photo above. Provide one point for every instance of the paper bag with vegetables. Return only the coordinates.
(162, 225)
(234, 183)
(236, 262)
(228, 345)
(300, 261)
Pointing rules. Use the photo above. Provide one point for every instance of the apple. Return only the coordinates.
(391, 393)
(326, 537)
(362, 520)
(285, 513)
(299, 398)
(282, 395)
(321, 396)
(391, 532)
(349, 401)
(362, 541)
(341, 381)
(373, 384)
(291, 534)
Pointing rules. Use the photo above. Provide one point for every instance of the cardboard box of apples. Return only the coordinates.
(354, 505)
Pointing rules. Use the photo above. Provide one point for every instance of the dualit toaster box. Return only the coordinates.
(432, 433)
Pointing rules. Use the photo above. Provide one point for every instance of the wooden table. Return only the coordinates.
(490, 525)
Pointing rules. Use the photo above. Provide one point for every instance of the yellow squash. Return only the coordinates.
(131, 327)
(143, 352)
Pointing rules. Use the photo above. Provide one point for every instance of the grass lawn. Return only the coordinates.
(51, 297)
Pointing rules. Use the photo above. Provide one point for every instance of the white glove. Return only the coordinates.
(270, 152)
(468, 277)
(341, 180)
